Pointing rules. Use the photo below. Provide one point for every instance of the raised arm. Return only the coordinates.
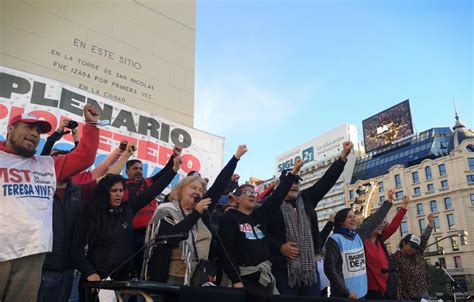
(219, 185)
(51, 140)
(104, 165)
(396, 221)
(146, 196)
(377, 218)
(84, 155)
(274, 201)
(427, 232)
(317, 191)
(169, 165)
(117, 167)
(326, 231)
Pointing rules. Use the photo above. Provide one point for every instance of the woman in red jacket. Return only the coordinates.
(381, 281)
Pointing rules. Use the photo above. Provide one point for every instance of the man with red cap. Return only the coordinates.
(27, 186)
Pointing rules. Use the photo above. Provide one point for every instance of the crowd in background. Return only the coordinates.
(57, 217)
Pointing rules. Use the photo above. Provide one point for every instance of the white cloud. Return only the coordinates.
(236, 103)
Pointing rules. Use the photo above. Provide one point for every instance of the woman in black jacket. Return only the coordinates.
(106, 227)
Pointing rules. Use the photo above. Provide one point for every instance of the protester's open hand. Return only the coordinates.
(203, 205)
(91, 114)
(390, 194)
(93, 277)
(177, 163)
(430, 218)
(346, 149)
(405, 201)
(296, 168)
(290, 250)
(241, 150)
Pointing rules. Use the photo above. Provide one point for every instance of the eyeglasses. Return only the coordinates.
(249, 193)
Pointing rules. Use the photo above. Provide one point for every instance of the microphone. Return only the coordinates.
(197, 198)
(388, 270)
(165, 238)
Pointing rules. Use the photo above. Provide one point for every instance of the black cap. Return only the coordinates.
(285, 173)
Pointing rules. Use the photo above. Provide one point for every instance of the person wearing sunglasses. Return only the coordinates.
(294, 236)
(246, 257)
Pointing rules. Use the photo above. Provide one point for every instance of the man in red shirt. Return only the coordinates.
(381, 281)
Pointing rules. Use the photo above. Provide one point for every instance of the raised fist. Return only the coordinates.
(177, 163)
(91, 114)
(390, 194)
(296, 168)
(177, 150)
(241, 150)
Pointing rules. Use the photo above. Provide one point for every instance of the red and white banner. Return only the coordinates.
(155, 137)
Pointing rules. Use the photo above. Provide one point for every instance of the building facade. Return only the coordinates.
(436, 170)
(139, 53)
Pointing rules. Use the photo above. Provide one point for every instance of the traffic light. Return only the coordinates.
(463, 236)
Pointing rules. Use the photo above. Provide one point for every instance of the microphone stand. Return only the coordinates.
(163, 239)
(454, 284)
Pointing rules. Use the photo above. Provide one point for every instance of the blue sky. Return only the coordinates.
(274, 74)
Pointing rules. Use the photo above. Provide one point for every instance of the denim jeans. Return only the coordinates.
(307, 291)
(55, 286)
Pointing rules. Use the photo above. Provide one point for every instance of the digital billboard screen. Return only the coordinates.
(387, 126)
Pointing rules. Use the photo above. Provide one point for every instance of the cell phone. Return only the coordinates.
(72, 124)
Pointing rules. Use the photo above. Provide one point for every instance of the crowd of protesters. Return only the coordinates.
(57, 217)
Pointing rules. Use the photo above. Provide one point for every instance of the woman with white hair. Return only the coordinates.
(187, 212)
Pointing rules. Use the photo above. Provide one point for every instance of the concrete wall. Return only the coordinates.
(140, 53)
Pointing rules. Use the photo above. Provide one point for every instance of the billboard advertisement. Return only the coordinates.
(387, 126)
(318, 149)
(154, 136)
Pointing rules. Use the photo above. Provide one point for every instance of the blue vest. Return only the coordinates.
(353, 263)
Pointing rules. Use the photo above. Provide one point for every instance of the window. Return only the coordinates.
(433, 206)
(442, 170)
(457, 262)
(382, 199)
(381, 188)
(428, 173)
(399, 195)
(417, 190)
(403, 229)
(439, 243)
(419, 209)
(430, 187)
(451, 221)
(436, 224)
(398, 181)
(455, 243)
(351, 195)
(422, 224)
(415, 177)
(447, 203)
(444, 184)
(472, 199)
(442, 262)
(470, 179)
(471, 163)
